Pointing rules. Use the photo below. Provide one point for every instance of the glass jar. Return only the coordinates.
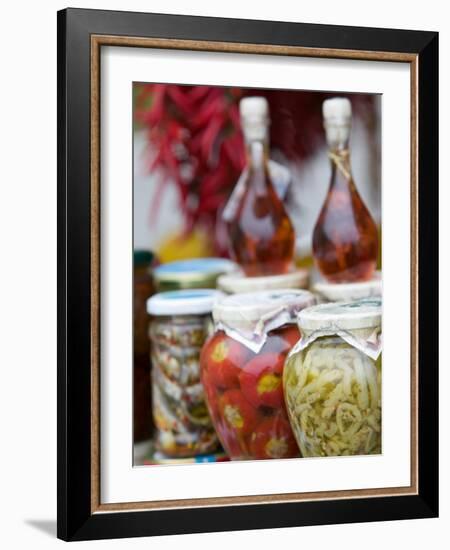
(235, 283)
(181, 322)
(332, 380)
(195, 273)
(143, 288)
(242, 367)
(346, 292)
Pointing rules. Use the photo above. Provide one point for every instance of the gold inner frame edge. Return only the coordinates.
(97, 41)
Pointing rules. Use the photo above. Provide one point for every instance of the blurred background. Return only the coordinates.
(189, 153)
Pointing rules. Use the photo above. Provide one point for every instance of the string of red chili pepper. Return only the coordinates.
(196, 142)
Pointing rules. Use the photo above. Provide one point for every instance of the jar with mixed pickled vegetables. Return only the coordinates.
(242, 368)
(181, 322)
(194, 273)
(332, 380)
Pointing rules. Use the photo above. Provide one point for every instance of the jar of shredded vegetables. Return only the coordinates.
(332, 380)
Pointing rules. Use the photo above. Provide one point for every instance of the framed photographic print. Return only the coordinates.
(247, 256)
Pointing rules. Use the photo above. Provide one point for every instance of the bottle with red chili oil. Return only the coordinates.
(345, 238)
(241, 368)
(262, 236)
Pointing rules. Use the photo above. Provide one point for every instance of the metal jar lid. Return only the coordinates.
(195, 273)
(250, 309)
(183, 302)
(235, 283)
(345, 292)
(348, 316)
(249, 317)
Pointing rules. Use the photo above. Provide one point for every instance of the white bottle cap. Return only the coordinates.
(337, 114)
(254, 107)
(337, 108)
(254, 113)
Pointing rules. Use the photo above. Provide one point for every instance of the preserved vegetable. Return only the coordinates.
(242, 372)
(181, 322)
(332, 381)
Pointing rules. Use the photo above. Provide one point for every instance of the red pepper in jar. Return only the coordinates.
(242, 372)
(261, 380)
(238, 413)
(273, 438)
(282, 340)
(224, 358)
(291, 335)
(210, 395)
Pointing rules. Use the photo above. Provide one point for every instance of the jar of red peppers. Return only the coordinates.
(242, 368)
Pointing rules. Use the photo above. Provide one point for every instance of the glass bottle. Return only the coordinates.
(345, 237)
(262, 236)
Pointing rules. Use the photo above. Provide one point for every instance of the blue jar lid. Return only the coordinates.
(198, 272)
(183, 302)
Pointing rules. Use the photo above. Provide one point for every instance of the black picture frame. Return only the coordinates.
(76, 520)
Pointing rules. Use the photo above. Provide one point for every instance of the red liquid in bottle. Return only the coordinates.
(345, 238)
(262, 236)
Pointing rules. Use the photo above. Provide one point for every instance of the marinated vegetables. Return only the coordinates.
(242, 371)
(183, 425)
(244, 393)
(333, 394)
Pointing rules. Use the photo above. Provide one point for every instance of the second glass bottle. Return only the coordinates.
(345, 238)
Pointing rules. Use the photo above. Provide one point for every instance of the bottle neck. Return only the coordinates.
(256, 136)
(338, 137)
(258, 171)
(257, 153)
(339, 156)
